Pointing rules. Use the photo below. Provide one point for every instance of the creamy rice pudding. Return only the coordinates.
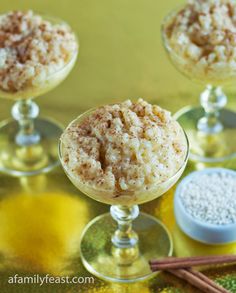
(203, 36)
(32, 49)
(125, 147)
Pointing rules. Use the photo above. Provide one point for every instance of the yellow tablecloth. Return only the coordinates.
(121, 56)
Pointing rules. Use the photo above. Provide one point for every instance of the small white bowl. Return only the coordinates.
(198, 230)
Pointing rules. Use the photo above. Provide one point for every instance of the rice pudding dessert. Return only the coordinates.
(31, 50)
(202, 39)
(123, 149)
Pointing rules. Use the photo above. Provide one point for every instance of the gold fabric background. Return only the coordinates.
(41, 218)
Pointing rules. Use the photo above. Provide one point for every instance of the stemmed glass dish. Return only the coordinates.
(118, 246)
(210, 128)
(28, 144)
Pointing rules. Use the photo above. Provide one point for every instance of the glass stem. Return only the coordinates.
(24, 112)
(125, 239)
(212, 100)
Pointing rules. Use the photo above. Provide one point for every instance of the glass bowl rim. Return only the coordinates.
(165, 40)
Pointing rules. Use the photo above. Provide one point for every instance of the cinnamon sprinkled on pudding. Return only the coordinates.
(124, 147)
(31, 49)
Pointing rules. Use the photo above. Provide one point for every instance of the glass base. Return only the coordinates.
(29, 160)
(104, 261)
(209, 148)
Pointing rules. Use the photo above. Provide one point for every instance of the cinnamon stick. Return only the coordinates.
(179, 263)
(190, 258)
(207, 280)
(194, 281)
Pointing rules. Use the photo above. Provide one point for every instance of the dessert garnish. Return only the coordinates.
(182, 268)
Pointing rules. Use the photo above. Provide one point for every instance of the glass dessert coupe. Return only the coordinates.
(28, 144)
(117, 246)
(210, 128)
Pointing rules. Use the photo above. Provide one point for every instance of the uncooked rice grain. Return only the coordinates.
(211, 197)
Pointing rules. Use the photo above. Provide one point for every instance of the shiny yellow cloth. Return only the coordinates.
(121, 56)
